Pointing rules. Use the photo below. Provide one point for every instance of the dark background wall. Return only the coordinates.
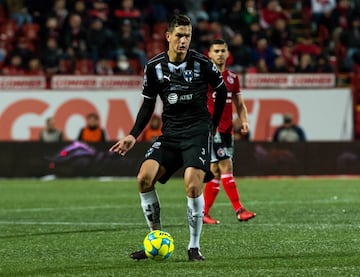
(35, 159)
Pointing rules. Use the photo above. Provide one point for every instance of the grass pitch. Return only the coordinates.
(77, 227)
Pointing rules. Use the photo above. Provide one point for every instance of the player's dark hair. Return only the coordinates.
(178, 20)
(217, 42)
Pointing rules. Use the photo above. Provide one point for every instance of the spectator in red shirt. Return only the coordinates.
(306, 45)
(272, 12)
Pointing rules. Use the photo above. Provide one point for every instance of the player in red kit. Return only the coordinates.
(221, 157)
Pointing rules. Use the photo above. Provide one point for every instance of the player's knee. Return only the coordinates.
(146, 182)
(193, 190)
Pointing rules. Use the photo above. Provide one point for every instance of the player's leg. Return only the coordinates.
(211, 191)
(149, 173)
(193, 178)
(230, 188)
(196, 160)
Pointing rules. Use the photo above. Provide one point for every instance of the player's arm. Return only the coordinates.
(142, 119)
(217, 83)
(242, 113)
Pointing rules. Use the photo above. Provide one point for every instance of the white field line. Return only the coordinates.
(71, 223)
(270, 225)
(164, 204)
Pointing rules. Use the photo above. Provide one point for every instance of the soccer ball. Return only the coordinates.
(158, 245)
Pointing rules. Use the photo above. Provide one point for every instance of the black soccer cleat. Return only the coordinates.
(195, 255)
(138, 255)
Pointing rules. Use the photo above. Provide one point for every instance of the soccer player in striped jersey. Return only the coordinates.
(223, 144)
(180, 77)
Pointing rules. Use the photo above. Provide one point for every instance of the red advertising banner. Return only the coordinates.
(96, 82)
(22, 82)
(290, 80)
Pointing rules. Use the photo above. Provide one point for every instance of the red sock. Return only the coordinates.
(211, 190)
(231, 190)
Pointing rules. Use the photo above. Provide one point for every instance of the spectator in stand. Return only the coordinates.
(272, 12)
(280, 34)
(14, 66)
(287, 53)
(255, 31)
(127, 43)
(35, 68)
(100, 9)
(50, 29)
(39, 10)
(104, 67)
(80, 7)
(50, 133)
(241, 53)
(99, 40)
(250, 13)
(23, 49)
(128, 10)
(60, 11)
(306, 64)
(153, 130)
(339, 17)
(201, 35)
(221, 31)
(123, 66)
(50, 57)
(264, 51)
(92, 132)
(261, 66)
(279, 65)
(350, 38)
(3, 51)
(323, 65)
(234, 18)
(195, 9)
(18, 11)
(74, 36)
(218, 10)
(306, 45)
(289, 131)
(318, 8)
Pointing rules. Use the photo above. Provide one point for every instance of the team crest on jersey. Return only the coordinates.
(230, 80)
(188, 75)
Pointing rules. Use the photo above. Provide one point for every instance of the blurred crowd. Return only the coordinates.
(108, 37)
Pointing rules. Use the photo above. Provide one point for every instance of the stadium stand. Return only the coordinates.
(327, 28)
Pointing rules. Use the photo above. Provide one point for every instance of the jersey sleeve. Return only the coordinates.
(149, 84)
(214, 76)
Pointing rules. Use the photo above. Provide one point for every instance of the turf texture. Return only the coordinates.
(88, 227)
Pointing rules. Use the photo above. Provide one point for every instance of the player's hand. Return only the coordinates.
(123, 145)
(244, 128)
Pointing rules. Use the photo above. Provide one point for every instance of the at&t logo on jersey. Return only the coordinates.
(172, 98)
